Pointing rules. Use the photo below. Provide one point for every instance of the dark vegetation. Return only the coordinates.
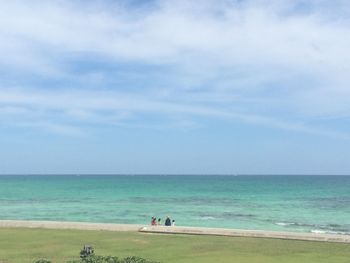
(87, 255)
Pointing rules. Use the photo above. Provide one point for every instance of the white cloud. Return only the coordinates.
(260, 58)
(252, 34)
(70, 109)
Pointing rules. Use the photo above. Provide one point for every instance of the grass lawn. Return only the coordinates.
(26, 245)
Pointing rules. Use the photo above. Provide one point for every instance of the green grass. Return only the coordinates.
(26, 245)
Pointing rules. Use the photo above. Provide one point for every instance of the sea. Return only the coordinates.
(318, 204)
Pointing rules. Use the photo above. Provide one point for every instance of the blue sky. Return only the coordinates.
(247, 87)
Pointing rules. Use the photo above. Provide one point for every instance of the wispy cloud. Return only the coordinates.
(73, 108)
(282, 64)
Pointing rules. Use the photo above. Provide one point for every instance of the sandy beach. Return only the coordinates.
(69, 225)
(174, 230)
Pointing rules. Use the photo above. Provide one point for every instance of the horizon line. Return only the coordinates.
(160, 174)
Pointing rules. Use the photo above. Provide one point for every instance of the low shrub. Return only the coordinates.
(42, 261)
(87, 256)
(111, 259)
(103, 259)
(87, 251)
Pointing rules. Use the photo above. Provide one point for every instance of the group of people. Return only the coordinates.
(168, 221)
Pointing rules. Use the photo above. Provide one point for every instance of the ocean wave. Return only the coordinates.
(226, 216)
(283, 224)
(207, 218)
(318, 231)
(295, 224)
(330, 202)
(186, 200)
(318, 228)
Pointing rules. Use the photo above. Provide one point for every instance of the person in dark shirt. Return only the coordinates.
(168, 221)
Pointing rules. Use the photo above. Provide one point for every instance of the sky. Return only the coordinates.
(175, 87)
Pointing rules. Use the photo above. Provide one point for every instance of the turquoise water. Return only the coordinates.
(287, 203)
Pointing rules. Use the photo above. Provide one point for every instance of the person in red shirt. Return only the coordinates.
(153, 222)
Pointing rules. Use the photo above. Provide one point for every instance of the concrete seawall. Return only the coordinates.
(246, 233)
(174, 230)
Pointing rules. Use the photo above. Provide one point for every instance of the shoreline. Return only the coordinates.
(175, 230)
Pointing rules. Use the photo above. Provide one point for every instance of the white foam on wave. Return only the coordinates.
(318, 231)
(283, 224)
